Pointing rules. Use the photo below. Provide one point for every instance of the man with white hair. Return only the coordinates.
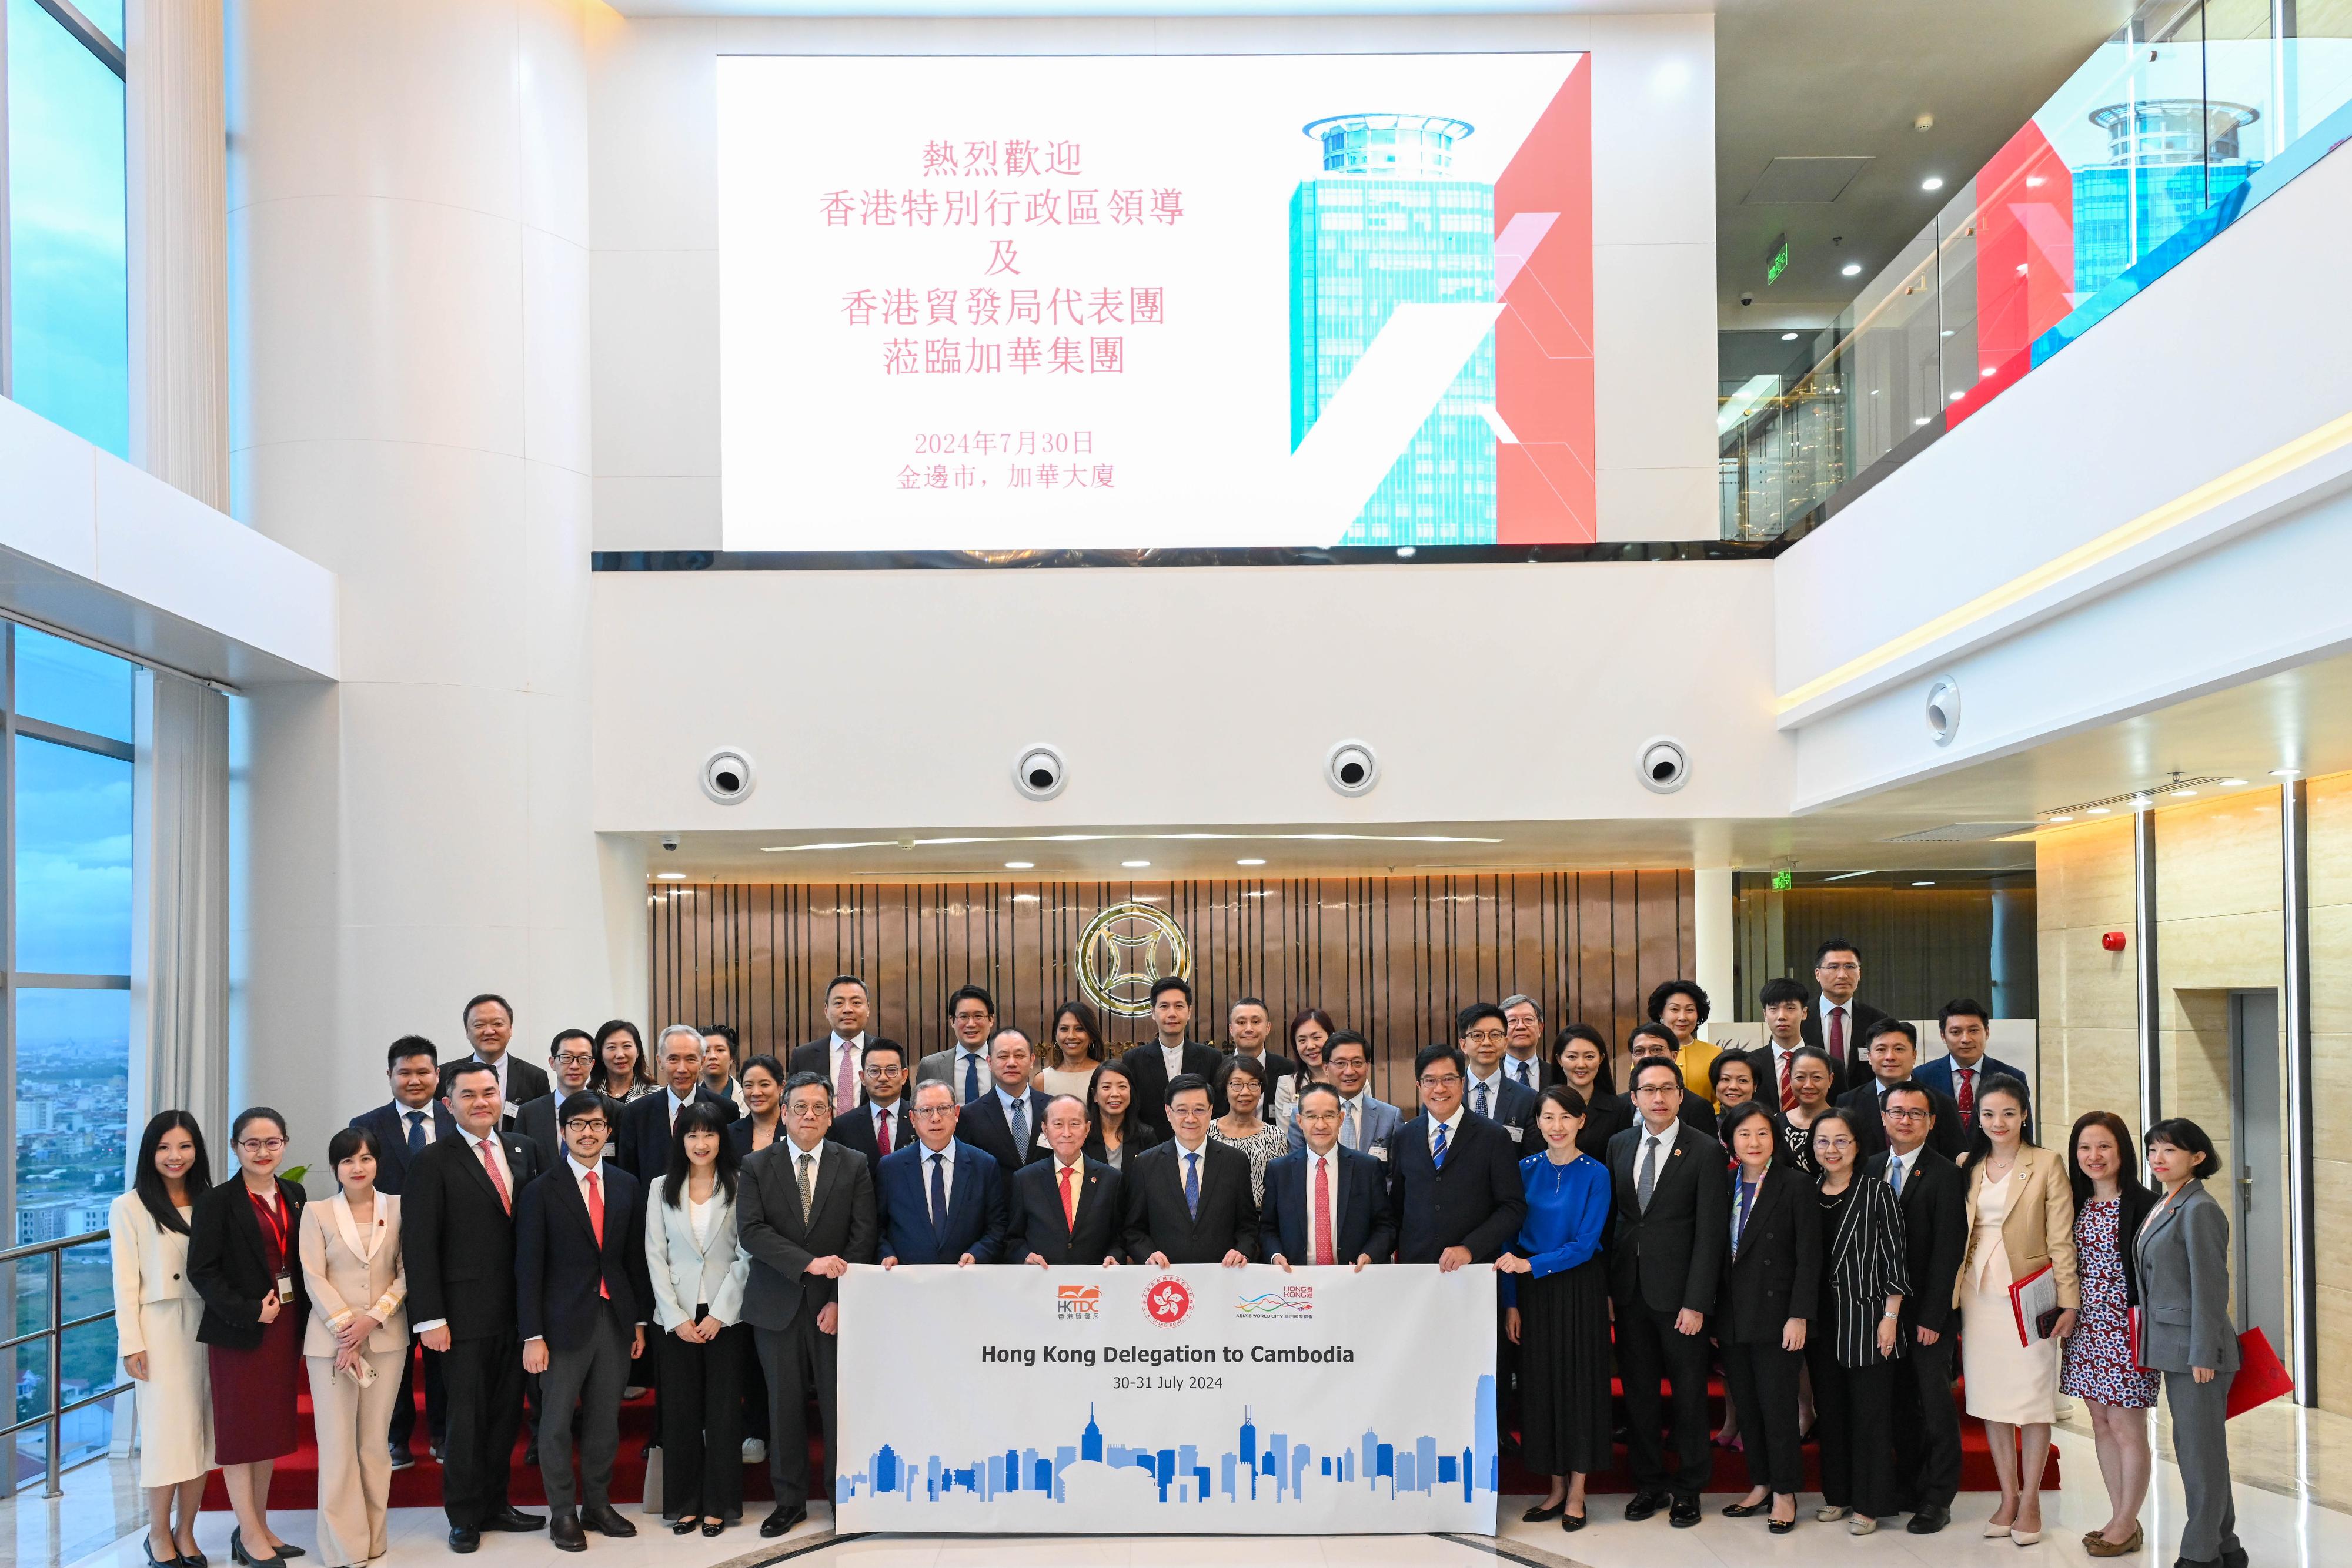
(647, 1122)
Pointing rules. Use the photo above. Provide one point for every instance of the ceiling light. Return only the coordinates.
(2021, 269)
(1851, 269)
(2101, 810)
(1788, 337)
(669, 876)
(1020, 865)
(2232, 783)
(1959, 394)
(2285, 772)
(2182, 794)
(2140, 802)
(1135, 865)
(1025, 898)
(1948, 331)
(1984, 372)
(1249, 863)
(1844, 874)
(1923, 884)
(2062, 819)
(1932, 183)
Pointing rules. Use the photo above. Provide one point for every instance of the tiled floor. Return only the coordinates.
(2295, 1470)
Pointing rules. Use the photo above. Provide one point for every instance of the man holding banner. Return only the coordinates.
(1326, 1204)
(1189, 1199)
(1067, 1209)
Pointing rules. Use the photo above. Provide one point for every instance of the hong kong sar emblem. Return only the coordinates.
(1167, 1300)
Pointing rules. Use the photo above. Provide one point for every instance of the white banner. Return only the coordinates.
(1191, 1400)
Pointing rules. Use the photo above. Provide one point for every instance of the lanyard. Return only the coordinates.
(273, 1219)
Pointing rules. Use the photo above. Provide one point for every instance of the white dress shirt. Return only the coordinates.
(1513, 1067)
(945, 1159)
(1829, 1011)
(506, 1174)
(675, 1105)
(1453, 1125)
(1174, 1056)
(880, 1114)
(1907, 1163)
(1494, 1091)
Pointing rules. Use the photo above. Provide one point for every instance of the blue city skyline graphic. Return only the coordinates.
(1264, 1464)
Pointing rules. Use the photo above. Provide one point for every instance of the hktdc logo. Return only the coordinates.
(1167, 1300)
(1077, 1304)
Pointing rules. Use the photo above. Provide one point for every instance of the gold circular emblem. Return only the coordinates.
(1123, 950)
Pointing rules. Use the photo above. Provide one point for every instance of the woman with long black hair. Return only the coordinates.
(698, 1271)
(1117, 1128)
(156, 1314)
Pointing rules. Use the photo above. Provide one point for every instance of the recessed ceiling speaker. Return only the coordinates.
(1944, 710)
(1663, 765)
(1352, 769)
(1040, 772)
(727, 776)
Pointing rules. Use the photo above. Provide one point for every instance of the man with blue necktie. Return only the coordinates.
(1454, 1178)
(1187, 1199)
(971, 1016)
(939, 1200)
(403, 1129)
(1486, 1088)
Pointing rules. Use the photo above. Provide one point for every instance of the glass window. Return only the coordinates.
(73, 861)
(73, 1108)
(69, 330)
(64, 683)
(105, 14)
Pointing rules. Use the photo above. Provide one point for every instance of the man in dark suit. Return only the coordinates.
(1840, 1022)
(1454, 1178)
(884, 1123)
(1006, 1121)
(1658, 1039)
(1524, 1066)
(1673, 1219)
(490, 1025)
(581, 1298)
(1326, 1204)
(1483, 1031)
(939, 1200)
(1787, 1031)
(806, 1210)
(1251, 1026)
(1188, 1200)
(404, 1128)
(572, 1058)
(1066, 1210)
(1893, 1049)
(1933, 1195)
(648, 1120)
(1155, 1064)
(839, 1058)
(458, 1242)
(1967, 1029)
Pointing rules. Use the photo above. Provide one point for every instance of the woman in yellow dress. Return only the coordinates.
(1682, 1006)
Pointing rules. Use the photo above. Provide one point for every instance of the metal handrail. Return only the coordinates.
(55, 1334)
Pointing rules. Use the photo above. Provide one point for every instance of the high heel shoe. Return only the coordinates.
(237, 1553)
(1544, 1510)
(196, 1559)
(1995, 1531)
(171, 1561)
(2023, 1537)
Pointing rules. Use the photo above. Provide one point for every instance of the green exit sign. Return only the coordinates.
(1779, 262)
(1782, 881)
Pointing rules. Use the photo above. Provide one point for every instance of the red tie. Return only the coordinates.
(1788, 1087)
(490, 1163)
(1323, 1254)
(882, 1129)
(1968, 1094)
(1837, 1034)
(596, 1224)
(1069, 1198)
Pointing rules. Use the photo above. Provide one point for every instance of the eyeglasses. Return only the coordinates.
(885, 1070)
(1837, 968)
(1838, 1145)
(586, 1124)
(575, 1059)
(934, 1110)
(1903, 1115)
(261, 1145)
(1655, 1088)
(1440, 1080)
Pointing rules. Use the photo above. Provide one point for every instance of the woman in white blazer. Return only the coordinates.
(156, 1312)
(697, 1271)
(352, 1347)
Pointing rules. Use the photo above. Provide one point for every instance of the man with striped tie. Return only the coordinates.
(1454, 1178)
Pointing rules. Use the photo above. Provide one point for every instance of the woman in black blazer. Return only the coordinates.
(1768, 1293)
(244, 1260)
(1581, 1057)
(1857, 1332)
(762, 1081)
(1116, 1115)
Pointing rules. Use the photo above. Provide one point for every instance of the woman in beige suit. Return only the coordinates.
(156, 1312)
(354, 1345)
(2021, 1219)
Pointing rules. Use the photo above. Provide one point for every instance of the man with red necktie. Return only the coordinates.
(1066, 1209)
(1326, 1205)
(1966, 1026)
(884, 1123)
(1839, 1023)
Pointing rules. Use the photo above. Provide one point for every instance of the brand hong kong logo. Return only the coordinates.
(1167, 1300)
(1290, 1301)
(1077, 1304)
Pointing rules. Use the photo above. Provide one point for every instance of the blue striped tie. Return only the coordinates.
(1437, 1153)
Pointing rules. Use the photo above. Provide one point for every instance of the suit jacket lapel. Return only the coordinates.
(470, 1155)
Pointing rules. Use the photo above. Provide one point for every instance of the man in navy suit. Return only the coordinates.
(1454, 1178)
(1188, 1200)
(1324, 1204)
(1067, 1209)
(938, 1200)
(1484, 1034)
(1007, 1119)
(883, 1122)
(645, 1124)
(1967, 1029)
(404, 1128)
(581, 1298)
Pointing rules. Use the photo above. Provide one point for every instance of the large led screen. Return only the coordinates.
(1155, 302)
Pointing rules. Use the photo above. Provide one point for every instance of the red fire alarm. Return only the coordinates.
(2113, 941)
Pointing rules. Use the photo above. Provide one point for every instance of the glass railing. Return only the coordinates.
(60, 1354)
(2181, 122)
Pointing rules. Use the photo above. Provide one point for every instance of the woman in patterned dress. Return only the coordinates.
(1243, 1082)
(2097, 1366)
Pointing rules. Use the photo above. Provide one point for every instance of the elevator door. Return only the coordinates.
(2258, 1151)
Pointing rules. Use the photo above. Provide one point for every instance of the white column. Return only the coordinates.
(410, 231)
(175, 146)
(1713, 939)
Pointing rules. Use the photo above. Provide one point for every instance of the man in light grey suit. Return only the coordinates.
(807, 1213)
(1365, 1123)
(2186, 1334)
(963, 1067)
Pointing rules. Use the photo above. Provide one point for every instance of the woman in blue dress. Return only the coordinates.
(1557, 1313)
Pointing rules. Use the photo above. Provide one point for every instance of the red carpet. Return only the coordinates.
(295, 1482)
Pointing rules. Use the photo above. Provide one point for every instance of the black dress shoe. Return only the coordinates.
(713, 1527)
(783, 1519)
(1646, 1503)
(512, 1520)
(684, 1527)
(463, 1540)
(173, 1561)
(238, 1554)
(1572, 1522)
(566, 1534)
(1542, 1512)
(1929, 1520)
(401, 1458)
(1781, 1526)
(604, 1520)
(1746, 1510)
(1685, 1513)
(2234, 1558)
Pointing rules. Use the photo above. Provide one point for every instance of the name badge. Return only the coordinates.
(285, 1288)
(1514, 1132)
(1380, 1152)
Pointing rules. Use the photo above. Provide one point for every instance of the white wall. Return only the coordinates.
(656, 225)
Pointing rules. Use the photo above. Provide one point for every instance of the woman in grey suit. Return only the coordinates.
(2183, 1251)
(697, 1271)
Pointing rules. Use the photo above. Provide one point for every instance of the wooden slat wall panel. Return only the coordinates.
(1391, 957)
